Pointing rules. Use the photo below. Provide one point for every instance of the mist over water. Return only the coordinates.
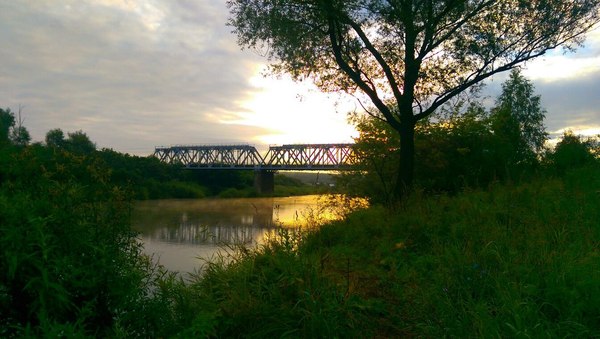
(183, 234)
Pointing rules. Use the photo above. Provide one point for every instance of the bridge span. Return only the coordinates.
(296, 157)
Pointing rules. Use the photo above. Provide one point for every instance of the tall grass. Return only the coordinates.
(513, 261)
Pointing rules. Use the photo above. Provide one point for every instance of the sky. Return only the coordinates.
(138, 74)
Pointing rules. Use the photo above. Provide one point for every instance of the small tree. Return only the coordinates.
(408, 57)
(12, 129)
(377, 160)
(7, 122)
(518, 122)
(79, 142)
(572, 151)
(19, 134)
(55, 138)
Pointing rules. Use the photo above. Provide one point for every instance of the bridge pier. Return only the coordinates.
(264, 181)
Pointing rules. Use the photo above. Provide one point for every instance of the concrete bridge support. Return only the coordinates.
(264, 181)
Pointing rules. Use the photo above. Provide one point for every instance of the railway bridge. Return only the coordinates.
(296, 157)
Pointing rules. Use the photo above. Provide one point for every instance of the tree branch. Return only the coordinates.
(353, 74)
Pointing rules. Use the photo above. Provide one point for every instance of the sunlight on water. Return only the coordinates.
(183, 234)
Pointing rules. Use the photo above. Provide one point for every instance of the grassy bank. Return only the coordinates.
(512, 261)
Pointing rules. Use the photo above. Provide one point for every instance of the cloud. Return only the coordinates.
(568, 84)
(135, 75)
(572, 102)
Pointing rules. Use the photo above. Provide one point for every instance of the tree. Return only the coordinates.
(572, 151)
(12, 130)
(455, 150)
(7, 122)
(408, 57)
(518, 122)
(76, 142)
(19, 135)
(377, 159)
(55, 138)
(79, 142)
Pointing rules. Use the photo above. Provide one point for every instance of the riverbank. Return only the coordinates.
(517, 260)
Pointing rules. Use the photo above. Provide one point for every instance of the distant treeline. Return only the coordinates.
(145, 177)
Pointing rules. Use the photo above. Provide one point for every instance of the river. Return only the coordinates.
(182, 234)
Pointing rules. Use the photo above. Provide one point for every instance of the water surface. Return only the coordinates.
(182, 234)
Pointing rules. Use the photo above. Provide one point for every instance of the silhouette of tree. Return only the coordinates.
(408, 57)
(55, 138)
(572, 151)
(7, 121)
(19, 135)
(79, 142)
(518, 122)
(12, 130)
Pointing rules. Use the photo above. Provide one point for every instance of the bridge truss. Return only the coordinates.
(310, 157)
(286, 157)
(210, 157)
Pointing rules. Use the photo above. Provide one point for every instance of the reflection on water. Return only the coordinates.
(181, 234)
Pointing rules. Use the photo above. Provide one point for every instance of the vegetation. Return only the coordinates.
(12, 129)
(149, 178)
(408, 58)
(464, 145)
(514, 261)
(69, 261)
(71, 266)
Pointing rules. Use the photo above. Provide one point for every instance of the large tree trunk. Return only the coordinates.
(405, 175)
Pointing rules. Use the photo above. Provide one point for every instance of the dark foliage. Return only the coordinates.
(69, 264)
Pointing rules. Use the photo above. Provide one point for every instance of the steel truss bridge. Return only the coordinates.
(299, 157)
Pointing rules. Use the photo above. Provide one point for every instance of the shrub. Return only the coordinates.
(69, 263)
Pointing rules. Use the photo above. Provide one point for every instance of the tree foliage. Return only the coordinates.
(77, 142)
(55, 138)
(574, 151)
(7, 121)
(463, 145)
(69, 263)
(408, 57)
(12, 130)
(518, 121)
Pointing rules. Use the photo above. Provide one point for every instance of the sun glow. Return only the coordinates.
(586, 131)
(297, 113)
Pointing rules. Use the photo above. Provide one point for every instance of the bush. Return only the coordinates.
(572, 151)
(69, 263)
